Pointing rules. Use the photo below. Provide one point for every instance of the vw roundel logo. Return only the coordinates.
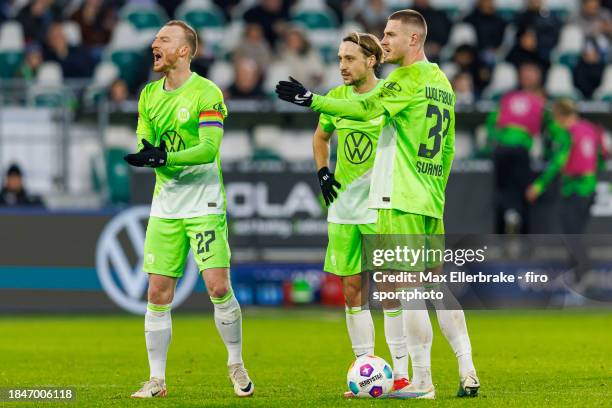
(119, 259)
(394, 86)
(358, 147)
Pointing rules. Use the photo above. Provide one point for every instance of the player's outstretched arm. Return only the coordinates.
(363, 110)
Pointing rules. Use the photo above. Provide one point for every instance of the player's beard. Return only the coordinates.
(169, 60)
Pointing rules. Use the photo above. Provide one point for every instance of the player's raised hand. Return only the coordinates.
(293, 91)
(328, 182)
(149, 155)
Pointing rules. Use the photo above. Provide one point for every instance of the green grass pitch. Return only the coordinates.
(299, 358)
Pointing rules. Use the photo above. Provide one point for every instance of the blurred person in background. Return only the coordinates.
(525, 49)
(341, 8)
(254, 46)
(75, 61)
(595, 21)
(272, 16)
(228, 7)
(248, 80)
(545, 25)
(118, 94)
(97, 20)
(13, 192)
(438, 28)
(204, 59)
(35, 19)
(579, 153)
(589, 71)
(32, 60)
(466, 58)
(512, 128)
(303, 60)
(372, 15)
(463, 85)
(490, 28)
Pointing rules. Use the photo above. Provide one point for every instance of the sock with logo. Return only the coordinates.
(158, 332)
(360, 329)
(419, 336)
(228, 319)
(396, 340)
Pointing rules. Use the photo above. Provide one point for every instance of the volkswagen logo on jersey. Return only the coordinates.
(174, 141)
(393, 86)
(119, 258)
(357, 147)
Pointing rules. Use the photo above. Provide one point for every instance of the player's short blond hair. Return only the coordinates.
(412, 18)
(191, 36)
(565, 107)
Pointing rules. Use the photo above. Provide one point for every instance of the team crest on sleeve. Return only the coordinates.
(220, 107)
(183, 115)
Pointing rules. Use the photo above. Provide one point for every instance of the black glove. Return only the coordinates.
(293, 91)
(327, 183)
(149, 156)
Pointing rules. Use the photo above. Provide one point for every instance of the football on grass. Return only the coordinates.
(369, 376)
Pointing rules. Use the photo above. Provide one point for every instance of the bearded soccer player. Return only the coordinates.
(346, 193)
(180, 126)
(411, 169)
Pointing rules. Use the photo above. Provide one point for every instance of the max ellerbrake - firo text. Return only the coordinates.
(456, 277)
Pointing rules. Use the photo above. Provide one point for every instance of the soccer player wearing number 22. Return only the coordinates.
(411, 169)
(180, 126)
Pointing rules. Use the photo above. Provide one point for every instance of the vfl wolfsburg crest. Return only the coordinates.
(357, 147)
(174, 141)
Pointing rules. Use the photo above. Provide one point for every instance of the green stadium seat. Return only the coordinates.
(117, 176)
(10, 61)
(201, 14)
(315, 19)
(144, 17)
(128, 62)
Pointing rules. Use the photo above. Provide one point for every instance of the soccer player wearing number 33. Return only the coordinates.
(413, 161)
(180, 126)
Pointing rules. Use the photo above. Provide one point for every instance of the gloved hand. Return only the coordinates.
(327, 183)
(149, 155)
(293, 91)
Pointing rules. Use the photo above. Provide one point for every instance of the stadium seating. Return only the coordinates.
(142, 16)
(509, 8)
(200, 14)
(571, 42)
(504, 79)
(104, 75)
(314, 15)
(222, 74)
(278, 71)
(48, 90)
(604, 92)
(72, 32)
(236, 146)
(11, 48)
(559, 82)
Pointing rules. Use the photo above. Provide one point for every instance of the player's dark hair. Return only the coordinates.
(413, 18)
(369, 45)
(190, 34)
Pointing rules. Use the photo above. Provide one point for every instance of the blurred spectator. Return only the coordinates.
(13, 193)
(372, 15)
(340, 8)
(75, 61)
(545, 25)
(589, 70)
(204, 58)
(118, 96)
(463, 85)
(525, 49)
(248, 81)
(438, 27)
(97, 20)
(35, 18)
(595, 21)
(271, 15)
(304, 61)
(490, 28)
(254, 46)
(466, 59)
(169, 6)
(228, 7)
(31, 62)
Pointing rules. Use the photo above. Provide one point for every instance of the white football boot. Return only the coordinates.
(243, 386)
(153, 388)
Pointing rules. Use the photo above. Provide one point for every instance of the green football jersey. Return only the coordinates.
(416, 149)
(177, 117)
(357, 143)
